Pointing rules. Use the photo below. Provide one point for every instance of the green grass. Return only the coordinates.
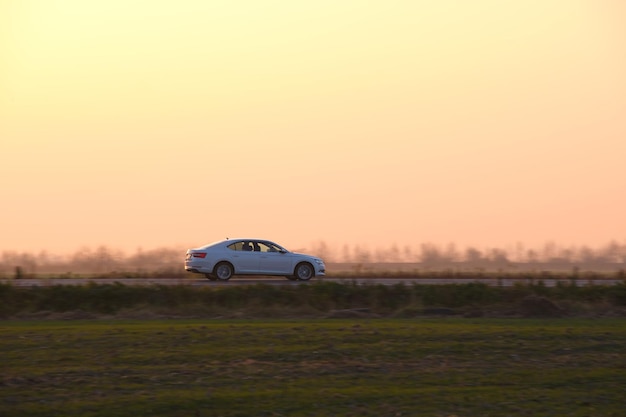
(316, 367)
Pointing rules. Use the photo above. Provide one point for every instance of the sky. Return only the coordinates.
(160, 123)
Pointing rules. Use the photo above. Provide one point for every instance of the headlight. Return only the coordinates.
(319, 262)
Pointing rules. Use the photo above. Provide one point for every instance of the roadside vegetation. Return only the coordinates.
(431, 367)
(312, 300)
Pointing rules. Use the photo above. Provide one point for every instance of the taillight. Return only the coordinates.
(199, 255)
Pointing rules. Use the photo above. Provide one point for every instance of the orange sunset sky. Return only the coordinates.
(162, 123)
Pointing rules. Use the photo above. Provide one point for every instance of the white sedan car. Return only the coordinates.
(222, 260)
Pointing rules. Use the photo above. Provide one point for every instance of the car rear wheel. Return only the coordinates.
(304, 271)
(223, 271)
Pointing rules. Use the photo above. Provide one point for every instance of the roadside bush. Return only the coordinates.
(458, 295)
(618, 295)
(321, 297)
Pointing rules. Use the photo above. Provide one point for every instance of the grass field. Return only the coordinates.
(436, 367)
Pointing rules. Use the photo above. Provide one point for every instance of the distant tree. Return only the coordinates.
(473, 256)
(564, 256)
(346, 256)
(499, 258)
(451, 254)
(586, 255)
(362, 255)
(380, 255)
(103, 259)
(549, 251)
(408, 254)
(320, 248)
(394, 254)
(519, 252)
(614, 252)
(387, 255)
(532, 256)
(25, 261)
(430, 254)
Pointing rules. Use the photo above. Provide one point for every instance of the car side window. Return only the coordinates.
(236, 246)
(268, 247)
(263, 247)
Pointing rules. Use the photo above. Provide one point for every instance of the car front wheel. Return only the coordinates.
(304, 271)
(223, 271)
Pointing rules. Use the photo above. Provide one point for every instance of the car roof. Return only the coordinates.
(238, 239)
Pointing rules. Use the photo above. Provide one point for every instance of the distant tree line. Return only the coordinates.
(169, 261)
(431, 254)
(102, 260)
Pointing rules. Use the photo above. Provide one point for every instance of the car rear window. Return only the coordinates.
(236, 246)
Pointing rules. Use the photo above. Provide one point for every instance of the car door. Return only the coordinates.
(244, 259)
(273, 261)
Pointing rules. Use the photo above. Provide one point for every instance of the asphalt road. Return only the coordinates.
(203, 282)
